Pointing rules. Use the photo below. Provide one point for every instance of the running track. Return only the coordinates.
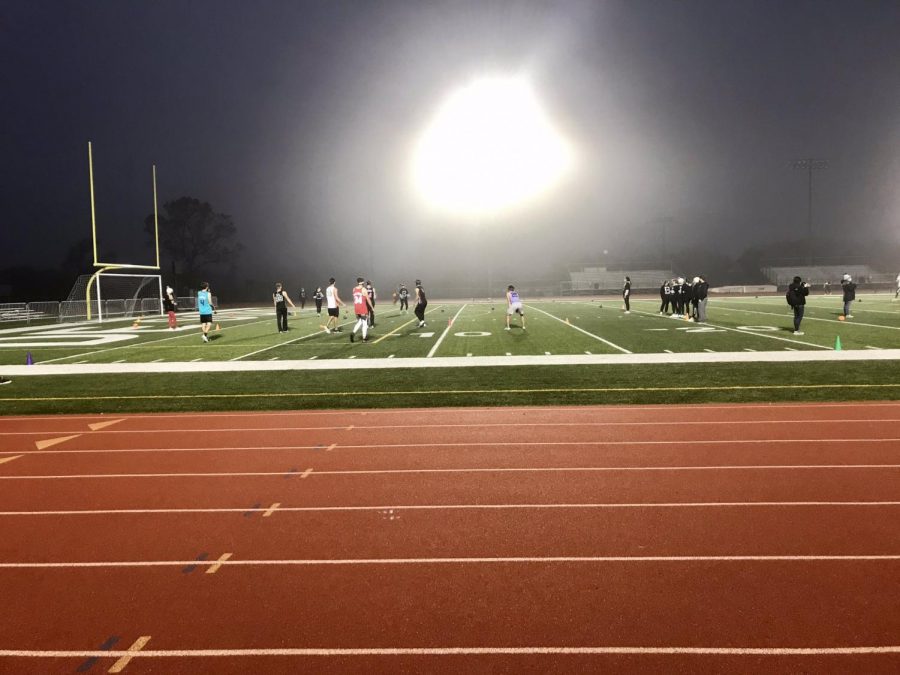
(735, 538)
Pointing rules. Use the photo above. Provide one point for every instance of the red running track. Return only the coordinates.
(753, 538)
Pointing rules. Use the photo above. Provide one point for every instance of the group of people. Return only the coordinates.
(680, 298)
(363, 300)
(798, 291)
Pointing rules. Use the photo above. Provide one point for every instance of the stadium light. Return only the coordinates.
(490, 147)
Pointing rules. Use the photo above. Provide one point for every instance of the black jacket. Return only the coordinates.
(849, 290)
(701, 290)
(796, 294)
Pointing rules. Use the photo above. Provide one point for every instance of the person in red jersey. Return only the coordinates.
(362, 304)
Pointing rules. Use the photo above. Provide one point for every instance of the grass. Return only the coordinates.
(597, 327)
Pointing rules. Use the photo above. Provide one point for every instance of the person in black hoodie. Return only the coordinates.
(687, 296)
(701, 291)
(665, 296)
(849, 289)
(796, 298)
(626, 295)
(676, 297)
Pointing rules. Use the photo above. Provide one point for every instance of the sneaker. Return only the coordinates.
(352, 338)
(4, 380)
(366, 339)
(627, 311)
(523, 327)
(205, 337)
(797, 332)
(849, 316)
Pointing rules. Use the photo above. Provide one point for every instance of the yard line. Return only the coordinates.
(444, 334)
(460, 507)
(581, 330)
(404, 325)
(286, 342)
(807, 317)
(274, 358)
(383, 472)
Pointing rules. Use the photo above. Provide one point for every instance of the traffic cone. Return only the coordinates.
(837, 343)
(217, 327)
(28, 360)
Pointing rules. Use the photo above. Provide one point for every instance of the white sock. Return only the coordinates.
(365, 325)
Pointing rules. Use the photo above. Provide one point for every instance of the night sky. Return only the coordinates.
(298, 119)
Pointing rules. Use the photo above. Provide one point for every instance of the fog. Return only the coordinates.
(299, 120)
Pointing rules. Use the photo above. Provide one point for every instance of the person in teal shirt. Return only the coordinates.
(206, 309)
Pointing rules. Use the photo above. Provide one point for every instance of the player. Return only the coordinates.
(421, 303)
(897, 294)
(513, 305)
(170, 305)
(318, 297)
(626, 295)
(362, 305)
(206, 309)
(334, 303)
(302, 297)
(665, 295)
(849, 289)
(370, 291)
(796, 298)
(281, 300)
(403, 294)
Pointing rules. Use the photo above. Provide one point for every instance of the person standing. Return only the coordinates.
(318, 296)
(664, 298)
(206, 309)
(513, 305)
(701, 293)
(403, 294)
(334, 302)
(421, 303)
(796, 298)
(281, 300)
(170, 305)
(362, 305)
(626, 295)
(302, 297)
(370, 291)
(849, 289)
(897, 294)
(676, 297)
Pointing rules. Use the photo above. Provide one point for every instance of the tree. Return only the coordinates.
(193, 237)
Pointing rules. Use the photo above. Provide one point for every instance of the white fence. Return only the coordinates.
(34, 313)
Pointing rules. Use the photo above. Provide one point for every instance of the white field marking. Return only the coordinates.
(555, 469)
(460, 425)
(4, 460)
(547, 353)
(41, 445)
(747, 332)
(711, 351)
(157, 361)
(352, 356)
(197, 359)
(129, 654)
(78, 363)
(509, 353)
(269, 511)
(587, 352)
(458, 651)
(390, 356)
(119, 361)
(591, 409)
(313, 358)
(142, 344)
(581, 330)
(440, 339)
(404, 325)
(314, 562)
(814, 318)
(668, 351)
(274, 358)
(286, 342)
(457, 507)
(871, 347)
(469, 354)
(222, 559)
(747, 349)
(826, 354)
(381, 446)
(331, 447)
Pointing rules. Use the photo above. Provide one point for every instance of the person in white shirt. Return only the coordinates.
(334, 302)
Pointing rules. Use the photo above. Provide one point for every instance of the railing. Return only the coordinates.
(37, 313)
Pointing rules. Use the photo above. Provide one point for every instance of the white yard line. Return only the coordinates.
(807, 317)
(581, 330)
(444, 334)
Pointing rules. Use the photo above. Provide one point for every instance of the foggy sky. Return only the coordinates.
(298, 119)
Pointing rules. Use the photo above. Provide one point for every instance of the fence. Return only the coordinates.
(37, 313)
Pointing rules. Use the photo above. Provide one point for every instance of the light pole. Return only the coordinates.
(810, 165)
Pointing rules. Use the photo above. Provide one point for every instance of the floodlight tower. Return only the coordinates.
(810, 165)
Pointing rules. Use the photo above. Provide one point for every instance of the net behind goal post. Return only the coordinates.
(113, 295)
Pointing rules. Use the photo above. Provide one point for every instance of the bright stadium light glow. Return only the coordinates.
(489, 148)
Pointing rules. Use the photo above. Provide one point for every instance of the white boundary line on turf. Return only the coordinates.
(316, 562)
(803, 356)
(462, 425)
(480, 444)
(581, 330)
(455, 507)
(815, 318)
(454, 651)
(444, 334)
(384, 472)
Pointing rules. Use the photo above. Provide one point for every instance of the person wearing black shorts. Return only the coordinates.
(370, 291)
(318, 297)
(421, 304)
(403, 294)
(281, 300)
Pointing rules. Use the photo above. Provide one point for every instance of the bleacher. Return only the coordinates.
(817, 274)
(588, 279)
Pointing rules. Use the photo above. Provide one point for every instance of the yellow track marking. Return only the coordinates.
(54, 441)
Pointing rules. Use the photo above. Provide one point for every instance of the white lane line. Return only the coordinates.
(479, 444)
(581, 330)
(331, 447)
(119, 361)
(225, 561)
(477, 425)
(129, 654)
(444, 334)
(457, 507)
(548, 469)
(456, 651)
